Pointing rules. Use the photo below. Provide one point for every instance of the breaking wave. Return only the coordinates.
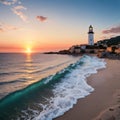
(67, 86)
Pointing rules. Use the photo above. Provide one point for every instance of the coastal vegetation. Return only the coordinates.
(110, 42)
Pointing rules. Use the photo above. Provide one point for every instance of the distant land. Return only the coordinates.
(99, 44)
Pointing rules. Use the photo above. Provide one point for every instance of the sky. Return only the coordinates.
(52, 25)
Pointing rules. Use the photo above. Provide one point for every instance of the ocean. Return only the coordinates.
(43, 86)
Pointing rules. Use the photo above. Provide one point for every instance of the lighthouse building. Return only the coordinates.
(90, 36)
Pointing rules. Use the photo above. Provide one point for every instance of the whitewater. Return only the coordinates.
(52, 96)
(72, 87)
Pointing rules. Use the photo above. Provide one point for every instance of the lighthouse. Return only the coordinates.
(90, 36)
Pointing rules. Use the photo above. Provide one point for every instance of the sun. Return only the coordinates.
(28, 50)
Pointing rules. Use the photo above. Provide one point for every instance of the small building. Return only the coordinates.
(117, 51)
(83, 46)
(109, 49)
(77, 49)
(71, 49)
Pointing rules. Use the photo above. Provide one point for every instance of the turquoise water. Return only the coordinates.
(51, 94)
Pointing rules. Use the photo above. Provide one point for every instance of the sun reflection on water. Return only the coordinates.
(29, 68)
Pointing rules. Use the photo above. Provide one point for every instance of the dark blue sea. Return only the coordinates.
(43, 86)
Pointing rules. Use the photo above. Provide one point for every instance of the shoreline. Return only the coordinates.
(106, 94)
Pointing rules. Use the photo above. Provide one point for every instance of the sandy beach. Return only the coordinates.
(104, 102)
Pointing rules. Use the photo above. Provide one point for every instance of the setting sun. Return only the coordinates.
(28, 50)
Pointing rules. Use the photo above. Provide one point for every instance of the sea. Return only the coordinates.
(43, 86)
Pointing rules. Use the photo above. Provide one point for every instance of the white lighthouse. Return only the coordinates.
(90, 36)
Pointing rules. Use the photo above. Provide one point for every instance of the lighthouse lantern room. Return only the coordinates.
(90, 36)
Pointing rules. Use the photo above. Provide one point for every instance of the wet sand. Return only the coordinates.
(104, 102)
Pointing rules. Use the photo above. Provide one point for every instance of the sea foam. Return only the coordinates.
(72, 87)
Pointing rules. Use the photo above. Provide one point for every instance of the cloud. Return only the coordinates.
(8, 2)
(41, 18)
(112, 30)
(1, 30)
(5, 27)
(18, 10)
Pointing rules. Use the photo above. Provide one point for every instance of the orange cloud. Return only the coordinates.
(112, 30)
(41, 18)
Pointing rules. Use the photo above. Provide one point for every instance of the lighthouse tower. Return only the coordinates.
(90, 36)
